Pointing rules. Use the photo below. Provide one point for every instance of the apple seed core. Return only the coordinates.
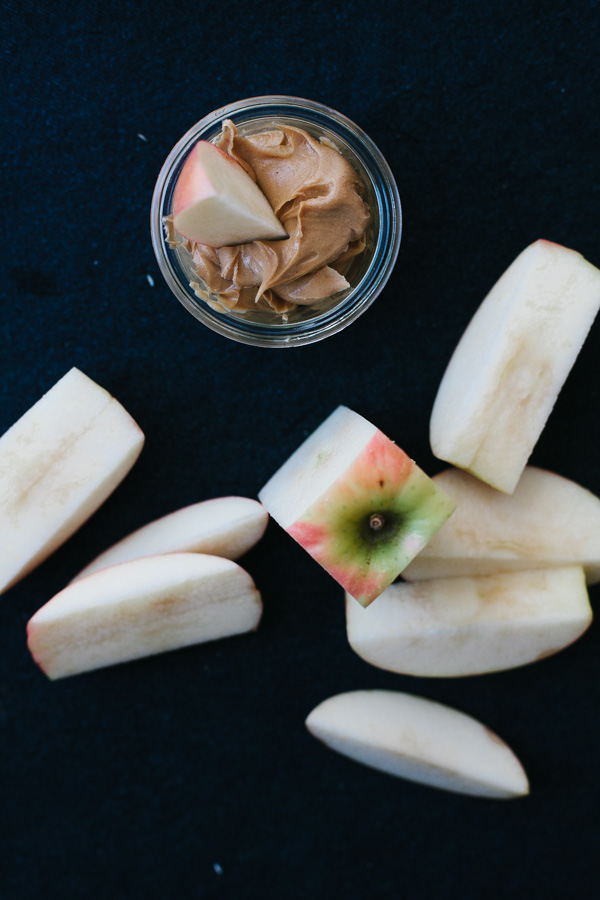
(376, 521)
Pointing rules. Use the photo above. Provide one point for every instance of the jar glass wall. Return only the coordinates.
(369, 270)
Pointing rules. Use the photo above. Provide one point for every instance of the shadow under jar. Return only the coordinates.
(367, 272)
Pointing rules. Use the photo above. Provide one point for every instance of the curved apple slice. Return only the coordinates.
(140, 608)
(215, 202)
(510, 364)
(58, 463)
(225, 526)
(450, 627)
(420, 740)
(548, 521)
(357, 503)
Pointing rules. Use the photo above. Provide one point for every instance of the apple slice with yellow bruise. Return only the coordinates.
(449, 627)
(223, 526)
(419, 740)
(548, 521)
(509, 366)
(215, 202)
(140, 608)
(58, 463)
(357, 503)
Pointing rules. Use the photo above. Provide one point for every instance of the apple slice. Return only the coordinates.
(215, 202)
(140, 608)
(225, 526)
(58, 464)
(420, 740)
(449, 627)
(356, 502)
(511, 362)
(548, 521)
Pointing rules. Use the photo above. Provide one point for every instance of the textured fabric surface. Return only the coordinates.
(191, 775)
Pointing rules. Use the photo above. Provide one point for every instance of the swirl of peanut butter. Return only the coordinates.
(317, 195)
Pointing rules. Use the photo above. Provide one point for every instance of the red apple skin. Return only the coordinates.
(193, 183)
(375, 481)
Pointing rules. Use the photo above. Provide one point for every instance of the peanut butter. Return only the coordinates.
(317, 195)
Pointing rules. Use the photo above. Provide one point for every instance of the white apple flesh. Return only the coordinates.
(58, 463)
(420, 740)
(215, 202)
(450, 627)
(548, 521)
(511, 362)
(140, 608)
(225, 526)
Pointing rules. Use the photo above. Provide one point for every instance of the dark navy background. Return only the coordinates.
(191, 775)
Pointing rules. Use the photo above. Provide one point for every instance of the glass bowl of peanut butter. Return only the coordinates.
(336, 198)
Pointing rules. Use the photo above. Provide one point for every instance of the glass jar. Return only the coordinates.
(370, 269)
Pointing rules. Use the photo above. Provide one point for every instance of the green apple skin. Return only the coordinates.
(357, 503)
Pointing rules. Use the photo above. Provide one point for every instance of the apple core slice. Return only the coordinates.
(548, 521)
(357, 503)
(58, 463)
(225, 526)
(140, 608)
(216, 202)
(511, 362)
(420, 740)
(448, 627)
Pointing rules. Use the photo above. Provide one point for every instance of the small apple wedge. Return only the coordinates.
(548, 521)
(420, 740)
(511, 362)
(140, 608)
(225, 526)
(356, 502)
(58, 463)
(215, 202)
(450, 627)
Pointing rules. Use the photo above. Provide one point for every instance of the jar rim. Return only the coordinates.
(359, 298)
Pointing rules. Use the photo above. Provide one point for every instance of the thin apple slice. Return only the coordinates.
(140, 608)
(420, 740)
(225, 526)
(215, 202)
(548, 521)
(511, 362)
(356, 502)
(58, 463)
(450, 627)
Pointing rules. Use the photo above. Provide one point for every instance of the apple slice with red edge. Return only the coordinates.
(140, 608)
(419, 740)
(511, 362)
(224, 526)
(357, 503)
(58, 463)
(449, 627)
(547, 521)
(215, 202)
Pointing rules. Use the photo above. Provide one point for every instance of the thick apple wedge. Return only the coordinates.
(420, 740)
(141, 608)
(225, 526)
(58, 463)
(548, 521)
(450, 627)
(357, 503)
(510, 364)
(217, 203)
